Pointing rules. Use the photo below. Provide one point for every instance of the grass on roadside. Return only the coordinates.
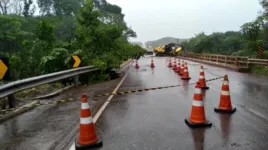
(261, 70)
(42, 89)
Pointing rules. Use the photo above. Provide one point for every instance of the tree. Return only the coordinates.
(221, 43)
(45, 43)
(59, 7)
(66, 7)
(10, 34)
(26, 10)
(11, 7)
(251, 32)
(264, 4)
(45, 6)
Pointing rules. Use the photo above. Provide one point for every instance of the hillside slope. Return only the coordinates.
(163, 41)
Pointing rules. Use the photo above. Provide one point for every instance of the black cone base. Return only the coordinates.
(199, 125)
(225, 111)
(186, 78)
(205, 88)
(78, 146)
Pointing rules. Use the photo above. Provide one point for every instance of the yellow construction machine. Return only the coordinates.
(170, 49)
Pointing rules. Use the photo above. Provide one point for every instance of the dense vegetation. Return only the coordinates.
(243, 42)
(43, 42)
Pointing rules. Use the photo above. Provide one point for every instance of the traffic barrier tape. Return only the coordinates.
(36, 105)
(101, 95)
(149, 89)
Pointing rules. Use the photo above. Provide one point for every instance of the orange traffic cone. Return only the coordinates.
(185, 75)
(182, 68)
(170, 64)
(137, 65)
(197, 116)
(178, 67)
(87, 134)
(152, 63)
(202, 78)
(225, 104)
(175, 65)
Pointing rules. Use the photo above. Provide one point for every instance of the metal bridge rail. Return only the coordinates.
(238, 61)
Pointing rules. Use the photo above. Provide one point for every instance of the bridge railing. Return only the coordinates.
(239, 61)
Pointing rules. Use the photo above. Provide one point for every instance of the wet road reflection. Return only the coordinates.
(155, 119)
(198, 135)
(225, 127)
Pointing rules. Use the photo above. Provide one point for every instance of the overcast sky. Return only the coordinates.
(154, 19)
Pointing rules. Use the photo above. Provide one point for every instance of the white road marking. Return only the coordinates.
(98, 114)
(96, 117)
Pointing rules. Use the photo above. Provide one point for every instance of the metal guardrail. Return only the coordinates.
(258, 61)
(238, 61)
(24, 84)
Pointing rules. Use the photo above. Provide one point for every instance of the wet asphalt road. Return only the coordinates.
(155, 119)
(46, 126)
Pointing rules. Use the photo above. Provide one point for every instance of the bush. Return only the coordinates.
(261, 70)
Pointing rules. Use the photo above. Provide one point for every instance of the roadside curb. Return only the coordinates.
(124, 64)
(19, 111)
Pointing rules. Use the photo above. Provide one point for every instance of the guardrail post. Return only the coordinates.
(76, 81)
(236, 63)
(217, 60)
(11, 101)
(247, 62)
(225, 60)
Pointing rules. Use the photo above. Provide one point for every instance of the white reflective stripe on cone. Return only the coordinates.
(84, 106)
(201, 70)
(185, 70)
(198, 103)
(201, 77)
(226, 93)
(225, 82)
(87, 120)
(198, 91)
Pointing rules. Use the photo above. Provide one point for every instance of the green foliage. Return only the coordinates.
(44, 32)
(57, 60)
(59, 7)
(251, 32)
(94, 30)
(221, 43)
(10, 33)
(261, 70)
(26, 10)
(265, 54)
